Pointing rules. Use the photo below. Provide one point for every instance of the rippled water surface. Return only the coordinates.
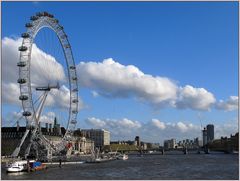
(174, 166)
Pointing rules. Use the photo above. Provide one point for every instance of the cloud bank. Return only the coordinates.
(107, 78)
(229, 105)
(155, 130)
(112, 79)
(194, 98)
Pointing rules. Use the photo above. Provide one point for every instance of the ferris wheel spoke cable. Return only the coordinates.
(14, 122)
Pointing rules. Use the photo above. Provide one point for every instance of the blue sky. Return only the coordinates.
(190, 43)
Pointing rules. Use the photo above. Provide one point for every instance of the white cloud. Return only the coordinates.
(123, 127)
(226, 129)
(129, 124)
(61, 98)
(95, 94)
(111, 79)
(44, 70)
(194, 98)
(95, 122)
(10, 93)
(229, 105)
(10, 57)
(158, 124)
(182, 127)
(47, 118)
(123, 123)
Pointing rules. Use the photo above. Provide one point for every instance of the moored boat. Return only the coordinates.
(18, 166)
(36, 166)
(122, 157)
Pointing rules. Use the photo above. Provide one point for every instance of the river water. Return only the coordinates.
(159, 167)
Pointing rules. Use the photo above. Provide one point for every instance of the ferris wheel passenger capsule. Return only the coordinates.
(25, 35)
(33, 18)
(60, 27)
(23, 97)
(21, 64)
(72, 67)
(75, 90)
(75, 101)
(21, 81)
(22, 48)
(50, 16)
(73, 122)
(74, 78)
(27, 113)
(39, 14)
(74, 111)
(45, 13)
(28, 25)
(67, 46)
(55, 21)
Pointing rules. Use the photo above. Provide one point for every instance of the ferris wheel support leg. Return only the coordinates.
(17, 150)
(28, 150)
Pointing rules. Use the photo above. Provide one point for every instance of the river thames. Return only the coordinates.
(159, 167)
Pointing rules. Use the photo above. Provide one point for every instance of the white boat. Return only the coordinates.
(122, 157)
(18, 166)
(99, 158)
(103, 158)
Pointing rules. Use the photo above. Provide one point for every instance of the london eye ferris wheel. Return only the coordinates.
(33, 94)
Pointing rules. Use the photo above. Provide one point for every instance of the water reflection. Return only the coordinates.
(16, 173)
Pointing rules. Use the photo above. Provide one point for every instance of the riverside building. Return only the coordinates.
(11, 137)
(101, 137)
(208, 134)
(170, 144)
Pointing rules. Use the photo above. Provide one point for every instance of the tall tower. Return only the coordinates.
(137, 140)
(204, 133)
(210, 132)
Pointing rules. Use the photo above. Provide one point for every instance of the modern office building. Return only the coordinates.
(210, 132)
(204, 133)
(100, 137)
